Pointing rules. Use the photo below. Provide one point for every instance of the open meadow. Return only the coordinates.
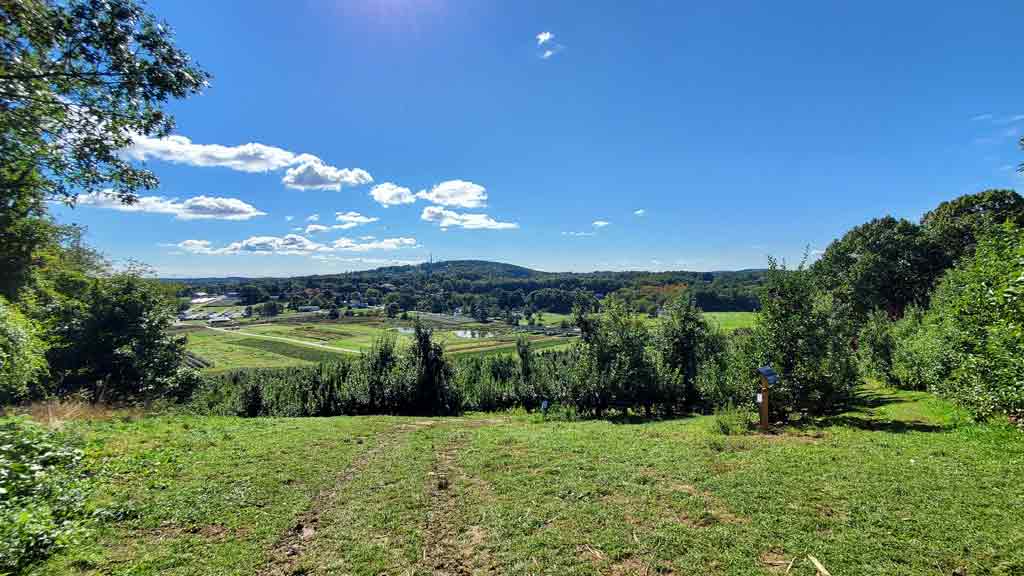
(292, 342)
(308, 339)
(902, 485)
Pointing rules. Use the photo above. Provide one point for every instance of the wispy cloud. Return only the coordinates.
(449, 219)
(293, 244)
(981, 117)
(352, 219)
(313, 218)
(548, 53)
(600, 223)
(544, 37)
(579, 234)
(289, 218)
(197, 208)
(639, 212)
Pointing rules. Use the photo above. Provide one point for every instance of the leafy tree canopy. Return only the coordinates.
(78, 80)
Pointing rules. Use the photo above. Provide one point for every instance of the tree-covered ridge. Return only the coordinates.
(497, 287)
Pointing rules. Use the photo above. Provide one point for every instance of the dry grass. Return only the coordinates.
(54, 413)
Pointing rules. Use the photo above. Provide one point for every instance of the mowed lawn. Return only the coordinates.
(901, 486)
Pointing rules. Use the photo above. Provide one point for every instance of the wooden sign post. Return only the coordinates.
(768, 378)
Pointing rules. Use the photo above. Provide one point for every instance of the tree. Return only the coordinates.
(885, 263)
(680, 338)
(334, 313)
(252, 294)
(392, 309)
(805, 334)
(22, 354)
(270, 308)
(957, 225)
(78, 81)
(116, 345)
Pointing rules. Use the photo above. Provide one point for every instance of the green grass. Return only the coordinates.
(730, 321)
(903, 485)
(244, 349)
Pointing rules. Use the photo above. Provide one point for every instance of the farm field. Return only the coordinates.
(288, 343)
(903, 485)
(730, 321)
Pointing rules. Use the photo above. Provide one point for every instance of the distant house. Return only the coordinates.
(309, 308)
(218, 320)
(200, 294)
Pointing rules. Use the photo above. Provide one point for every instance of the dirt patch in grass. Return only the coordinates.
(285, 556)
(776, 562)
(450, 547)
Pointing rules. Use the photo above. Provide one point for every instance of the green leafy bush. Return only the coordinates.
(731, 420)
(22, 354)
(875, 346)
(969, 345)
(42, 493)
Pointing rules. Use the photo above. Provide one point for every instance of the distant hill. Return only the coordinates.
(497, 287)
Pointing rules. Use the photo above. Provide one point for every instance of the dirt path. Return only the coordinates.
(451, 546)
(282, 339)
(286, 554)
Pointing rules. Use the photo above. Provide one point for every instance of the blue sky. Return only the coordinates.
(739, 129)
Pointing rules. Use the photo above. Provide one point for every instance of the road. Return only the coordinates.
(282, 339)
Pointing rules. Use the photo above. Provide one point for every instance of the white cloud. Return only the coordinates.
(548, 53)
(289, 218)
(544, 37)
(578, 234)
(251, 157)
(352, 219)
(293, 244)
(390, 194)
(313, 218)
(313, 174)
(367, 237)
(314, 228)
(456, 193)
(305, 171)
(447, 218)
(350, 245)
(639, 212)
(981, 117)
(600, 223)
(196, 208)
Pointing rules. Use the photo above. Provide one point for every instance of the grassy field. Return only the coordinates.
(727, 321)
(730, 321)
(286, 343)
(902, 486)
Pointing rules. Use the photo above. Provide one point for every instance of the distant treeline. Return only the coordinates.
(491, 289)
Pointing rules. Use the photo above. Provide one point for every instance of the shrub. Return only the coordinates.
(875, 346)
(732, 420)
(42, 493)
(727, 376)
(22, 355)
(969, 345)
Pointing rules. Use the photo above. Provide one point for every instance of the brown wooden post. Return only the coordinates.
(768, 378)
(764, 403)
